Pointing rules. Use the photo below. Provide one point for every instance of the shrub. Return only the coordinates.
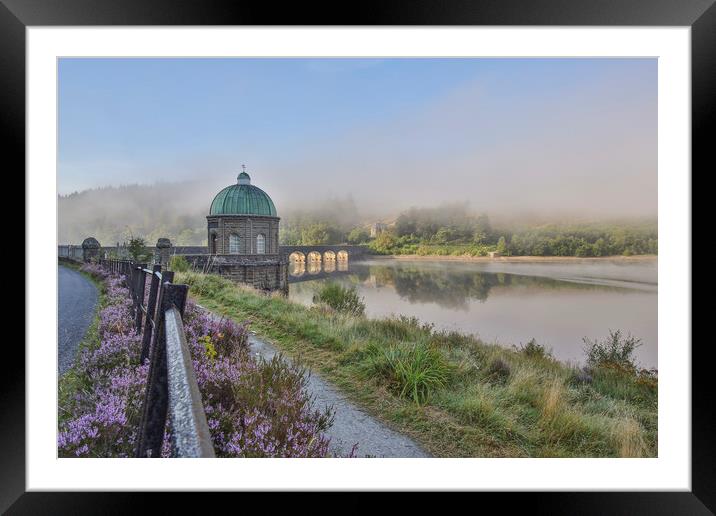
(615, 349)
(623, 383)
(260, 409)
(178, 263)
(138, 249)
(391, 329)
(94, 270)
(341, 299)
(415, 324)
(451, 339)
(581, 376)
(206, 284)
(534, 350)
(648, 378)
(498, 370)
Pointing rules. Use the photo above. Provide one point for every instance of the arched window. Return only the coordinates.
(234, 243)
(213, 243)
(260, 244)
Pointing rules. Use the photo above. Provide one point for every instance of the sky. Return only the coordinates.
(530, 135)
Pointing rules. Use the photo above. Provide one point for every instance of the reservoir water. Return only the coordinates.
(557, 303)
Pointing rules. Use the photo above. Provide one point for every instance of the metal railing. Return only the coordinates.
(172, 394)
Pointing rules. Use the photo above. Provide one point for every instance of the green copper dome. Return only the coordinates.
(243, 198)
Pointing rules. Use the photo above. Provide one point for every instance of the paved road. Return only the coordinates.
(351, 424)
(77, 298)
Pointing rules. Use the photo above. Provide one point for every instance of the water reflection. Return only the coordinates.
(329, 266)
(313, 267)
(444, 286)
(315, 264)
(557, 305)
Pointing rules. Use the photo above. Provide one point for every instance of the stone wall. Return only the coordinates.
(262, 272)
(124, 252)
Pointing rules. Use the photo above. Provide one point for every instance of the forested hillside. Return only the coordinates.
(116, 214)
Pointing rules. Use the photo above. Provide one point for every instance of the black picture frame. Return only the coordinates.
(700, 15)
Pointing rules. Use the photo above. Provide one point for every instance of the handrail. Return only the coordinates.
(190, 431)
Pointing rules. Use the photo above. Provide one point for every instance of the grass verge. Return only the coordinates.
(456, 395)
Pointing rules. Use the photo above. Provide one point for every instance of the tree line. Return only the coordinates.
(120, 214)
(453, 229)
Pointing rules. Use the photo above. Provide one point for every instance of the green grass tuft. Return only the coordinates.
(415, 371)
(340, 298)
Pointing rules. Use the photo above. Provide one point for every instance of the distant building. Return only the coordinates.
(494, 254)
(377, 228)
(242, 230)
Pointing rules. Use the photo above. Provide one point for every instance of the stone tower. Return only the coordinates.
(242, 232)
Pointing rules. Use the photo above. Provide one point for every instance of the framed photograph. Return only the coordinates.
(443, 248)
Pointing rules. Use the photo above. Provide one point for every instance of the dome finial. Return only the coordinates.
(244, 178)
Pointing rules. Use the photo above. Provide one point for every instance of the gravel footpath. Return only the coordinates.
(351, 424)
(77, 298)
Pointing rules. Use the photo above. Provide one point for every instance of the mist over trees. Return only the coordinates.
(117, 214)
(326, 222)
(453, 229)
(178, 211)
(443, 224)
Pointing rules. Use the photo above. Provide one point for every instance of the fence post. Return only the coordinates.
(151, 313)
(132, 284)
(140, 286)
(154, 413)
(178, 298)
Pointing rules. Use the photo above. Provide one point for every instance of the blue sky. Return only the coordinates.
(331, 126)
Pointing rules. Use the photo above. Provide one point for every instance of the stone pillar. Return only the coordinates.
(90, 249)
(162, 252)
